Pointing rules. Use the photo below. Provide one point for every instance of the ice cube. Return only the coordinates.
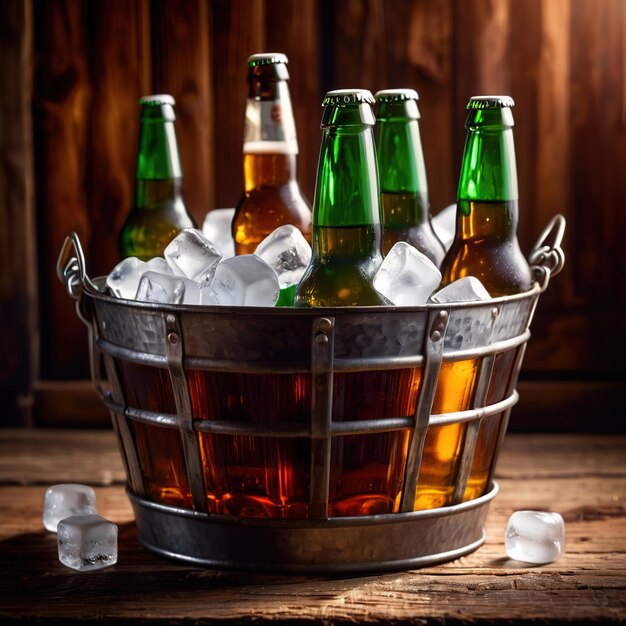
(406, 276)
(64, 500)
(168, 289)
(444, 224)
(535, 536)
(287, 252)
(217, 228)
(124, 278)
(191, 255)
(245, 280)
(157, 264)
(87, 542)
(466, 289)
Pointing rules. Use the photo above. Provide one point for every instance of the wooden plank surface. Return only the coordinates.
(583, 477)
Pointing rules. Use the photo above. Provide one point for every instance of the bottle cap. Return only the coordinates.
(396, 95)
(267, 58)
(159, 107)
(397, 104)
(344, 97)
(157, 100)
(490, 102)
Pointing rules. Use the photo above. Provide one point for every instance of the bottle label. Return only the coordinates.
(269, 128)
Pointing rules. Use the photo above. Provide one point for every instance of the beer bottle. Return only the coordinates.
(403, 183)
(485, 243)
(158, 213)
(346, 249)
(271, 194)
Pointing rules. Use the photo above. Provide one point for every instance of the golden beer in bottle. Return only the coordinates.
(271, 196)
(485, 243)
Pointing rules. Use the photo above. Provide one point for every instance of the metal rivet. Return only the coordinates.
(495, 312)
(321, 339)
(170, 319)
(324, 324)
(172, 338)
(436, 335)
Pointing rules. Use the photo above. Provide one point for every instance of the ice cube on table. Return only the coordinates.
(245, 280)
(87, 542)
(406, 276)
(191, 255)
(287, 252)
(535, 536)
(64, 500)
(466, 289)
(168, 289)
(444, 224)
(217, 228)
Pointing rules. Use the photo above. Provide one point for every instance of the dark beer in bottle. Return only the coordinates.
(271, 194)
(158, 213)
(346, 249)
(485, 243)
(402, 172)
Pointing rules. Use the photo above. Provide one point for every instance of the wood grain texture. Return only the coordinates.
(238, 32)
(61, 106)
(18, 289)
(120, 41)
(583, 477)
(183, 66)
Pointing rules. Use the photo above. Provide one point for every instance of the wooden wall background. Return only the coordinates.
(71, 72)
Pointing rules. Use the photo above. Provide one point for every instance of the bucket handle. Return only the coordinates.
(547, 259)
(73, 273)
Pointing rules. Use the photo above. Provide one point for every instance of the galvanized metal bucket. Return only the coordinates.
(335, 440)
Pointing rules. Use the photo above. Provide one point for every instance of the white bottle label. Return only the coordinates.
(269, 127)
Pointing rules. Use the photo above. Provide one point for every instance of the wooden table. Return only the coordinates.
(582, 477)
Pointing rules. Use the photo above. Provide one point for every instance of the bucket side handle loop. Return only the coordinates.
(547, 257)
(73, 272)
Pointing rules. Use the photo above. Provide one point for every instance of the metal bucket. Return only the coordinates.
(332, 440)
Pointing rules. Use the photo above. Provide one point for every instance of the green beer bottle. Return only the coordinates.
(271, 196)
(159, 212)
(485, 243)
(346, 248)
(402, 172)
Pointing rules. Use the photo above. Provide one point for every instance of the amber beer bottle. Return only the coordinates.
(402, 172)
(271, 194)
(158, 213)
(346, 249)
(485, 243)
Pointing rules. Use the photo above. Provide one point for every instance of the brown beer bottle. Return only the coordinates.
(402, 173)
(485, 243)
(271, 194)
(159, 211)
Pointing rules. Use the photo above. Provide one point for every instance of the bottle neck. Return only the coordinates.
(347, 192)
(488, 170)
(400, 157)
(158, 157)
